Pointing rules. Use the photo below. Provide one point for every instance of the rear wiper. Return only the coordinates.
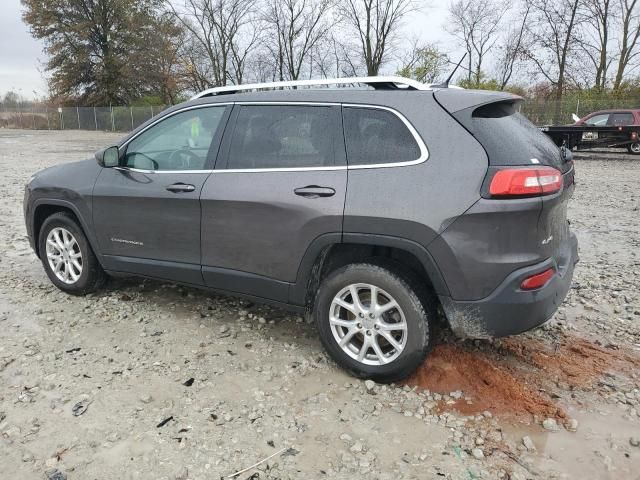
(567, 154)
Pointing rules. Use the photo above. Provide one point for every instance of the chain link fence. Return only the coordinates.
(114, 119)
(543, 111)
(124, 119)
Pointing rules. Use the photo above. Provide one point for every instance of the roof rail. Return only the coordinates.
(379, 83)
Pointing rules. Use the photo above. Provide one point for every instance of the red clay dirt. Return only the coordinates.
(491, 386)
(574, 361)
(513, 378)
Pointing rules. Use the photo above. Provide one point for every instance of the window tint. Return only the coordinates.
(283, 136)
(621, 119)
(377, 136)
(599, 120)
(180, 142)
(510, 139)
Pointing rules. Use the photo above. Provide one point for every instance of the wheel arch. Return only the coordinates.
(44, 208)
(331, 251)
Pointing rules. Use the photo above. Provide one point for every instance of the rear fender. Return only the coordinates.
(311, 265)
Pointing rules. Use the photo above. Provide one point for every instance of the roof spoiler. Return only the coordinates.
(454, 101)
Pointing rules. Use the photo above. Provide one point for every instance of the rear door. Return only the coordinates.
(147, 211)
(279, 185)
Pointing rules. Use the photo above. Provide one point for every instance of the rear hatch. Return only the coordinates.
(513, 143)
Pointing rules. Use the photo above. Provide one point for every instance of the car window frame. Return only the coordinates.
(424, 151)
(223, 157)
(212, 153)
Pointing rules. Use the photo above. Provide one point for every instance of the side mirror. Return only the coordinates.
(109, 157)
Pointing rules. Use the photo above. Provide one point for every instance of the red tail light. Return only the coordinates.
(538, 280)
(516, 182)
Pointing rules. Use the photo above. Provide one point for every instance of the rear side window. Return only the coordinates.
(375, 136)
(621, 119)
(284, 136)
(510, 139)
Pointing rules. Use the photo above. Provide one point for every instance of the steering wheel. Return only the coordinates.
(176, 159)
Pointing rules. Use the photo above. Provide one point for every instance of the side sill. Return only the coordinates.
(245, 283)
(172, 271)
(268, 301)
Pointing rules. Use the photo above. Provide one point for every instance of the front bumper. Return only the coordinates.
(510, 310)
(28, 216)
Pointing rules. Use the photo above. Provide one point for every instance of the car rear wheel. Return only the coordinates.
(373, 322)
(67, 256)
(634, 148)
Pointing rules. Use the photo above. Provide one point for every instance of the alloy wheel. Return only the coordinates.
(64, 255)
(368, 324)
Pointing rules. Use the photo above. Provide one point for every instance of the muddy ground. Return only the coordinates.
(182, 384)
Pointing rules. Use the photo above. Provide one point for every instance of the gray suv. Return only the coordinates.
(375, 210)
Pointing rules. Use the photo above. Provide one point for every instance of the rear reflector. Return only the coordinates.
(517, 182)
(538, 280)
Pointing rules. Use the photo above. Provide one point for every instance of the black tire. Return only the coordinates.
(415, 301)
(632, 146)
(92, 276)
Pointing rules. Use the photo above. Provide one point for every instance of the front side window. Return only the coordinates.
(375, 136)
(283, 136)
(599, 120)
(180, 142)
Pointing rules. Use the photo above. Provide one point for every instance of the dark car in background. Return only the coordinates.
(617, 128)
(372, 210)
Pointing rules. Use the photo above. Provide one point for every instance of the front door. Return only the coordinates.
(147, 211)
(280, 184)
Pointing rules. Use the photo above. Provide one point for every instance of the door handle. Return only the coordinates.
(314, 191)
(181, 187)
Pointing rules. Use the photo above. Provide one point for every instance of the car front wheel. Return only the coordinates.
(373, 321)
(634, 148)
(67, 256)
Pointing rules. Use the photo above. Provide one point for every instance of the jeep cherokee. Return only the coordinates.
(371, 208)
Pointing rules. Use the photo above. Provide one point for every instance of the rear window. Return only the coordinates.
(621, 119)
(375, 136)
(510, 139)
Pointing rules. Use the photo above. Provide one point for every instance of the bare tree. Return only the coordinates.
(476, 24)
(332, 58)
(554, 29)
(596, 38)
(628, 38)
(298, 26)
(375, 23)
(223, 34)
(513, 48)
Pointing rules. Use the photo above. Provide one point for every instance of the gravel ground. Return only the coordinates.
(182, 384)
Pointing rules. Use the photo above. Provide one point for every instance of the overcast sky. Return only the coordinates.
(22, 58)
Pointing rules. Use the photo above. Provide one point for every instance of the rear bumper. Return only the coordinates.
(510, 310)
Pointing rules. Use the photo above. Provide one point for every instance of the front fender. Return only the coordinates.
(87, 226)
